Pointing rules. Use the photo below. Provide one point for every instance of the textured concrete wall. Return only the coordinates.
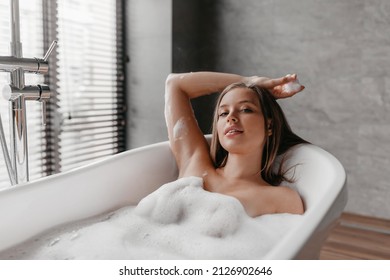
(341, 51)
(150, 51)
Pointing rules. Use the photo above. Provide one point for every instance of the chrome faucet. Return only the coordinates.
(18, 93)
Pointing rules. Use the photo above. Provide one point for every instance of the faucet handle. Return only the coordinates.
(50, 50)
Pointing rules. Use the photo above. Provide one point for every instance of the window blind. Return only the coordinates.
(86, 114)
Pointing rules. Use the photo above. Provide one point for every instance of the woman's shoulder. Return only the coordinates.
(273, 199)
(288, 200)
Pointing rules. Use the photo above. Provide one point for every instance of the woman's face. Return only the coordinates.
(240, 124)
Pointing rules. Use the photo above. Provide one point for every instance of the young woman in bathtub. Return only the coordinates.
(249, 131)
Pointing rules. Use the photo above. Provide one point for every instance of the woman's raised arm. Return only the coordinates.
(186, 139)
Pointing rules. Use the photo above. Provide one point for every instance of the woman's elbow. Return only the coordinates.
(171, 78)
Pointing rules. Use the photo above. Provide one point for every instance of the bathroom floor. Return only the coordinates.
(358, 237)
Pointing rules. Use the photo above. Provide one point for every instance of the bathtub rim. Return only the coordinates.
(82, 168)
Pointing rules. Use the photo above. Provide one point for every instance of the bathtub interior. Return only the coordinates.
(33, 208)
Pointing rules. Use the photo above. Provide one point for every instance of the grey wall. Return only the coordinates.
(339, 48)
(194, 47)
(341, 51)
(149, 40)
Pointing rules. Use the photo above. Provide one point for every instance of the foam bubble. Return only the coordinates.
(292, 86)
(180, 129)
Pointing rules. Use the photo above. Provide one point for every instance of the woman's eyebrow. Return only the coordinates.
(240, 102)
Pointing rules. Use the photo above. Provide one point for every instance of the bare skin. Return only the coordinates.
(241, 132)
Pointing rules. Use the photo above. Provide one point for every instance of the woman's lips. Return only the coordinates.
(233, 130)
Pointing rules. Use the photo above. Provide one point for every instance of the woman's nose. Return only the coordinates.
(232, 118)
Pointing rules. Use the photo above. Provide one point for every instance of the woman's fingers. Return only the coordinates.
(272, 83)
(282, 87)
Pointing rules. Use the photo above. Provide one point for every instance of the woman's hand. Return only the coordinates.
(283, 87)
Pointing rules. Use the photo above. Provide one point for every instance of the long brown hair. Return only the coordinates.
(281, 139)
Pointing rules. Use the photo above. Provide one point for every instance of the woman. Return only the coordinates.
(249, 131)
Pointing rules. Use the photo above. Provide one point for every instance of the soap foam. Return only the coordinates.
(180, 129)
(292, 86)
(180, 220)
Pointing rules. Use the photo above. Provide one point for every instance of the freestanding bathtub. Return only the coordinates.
(124, 179)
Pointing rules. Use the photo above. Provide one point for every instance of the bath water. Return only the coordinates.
(180, 220)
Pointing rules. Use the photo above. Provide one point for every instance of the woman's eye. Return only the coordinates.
(223, 114)
(247, 110)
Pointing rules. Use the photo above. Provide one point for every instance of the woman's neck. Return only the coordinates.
(245, 167)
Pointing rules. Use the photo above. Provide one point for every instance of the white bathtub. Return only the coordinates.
(124, 179)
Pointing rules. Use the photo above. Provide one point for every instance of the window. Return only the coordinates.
(86, 112)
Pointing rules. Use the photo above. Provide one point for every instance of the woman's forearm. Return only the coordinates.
(197, 84)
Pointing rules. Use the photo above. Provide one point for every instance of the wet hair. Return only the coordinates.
(281, 139)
